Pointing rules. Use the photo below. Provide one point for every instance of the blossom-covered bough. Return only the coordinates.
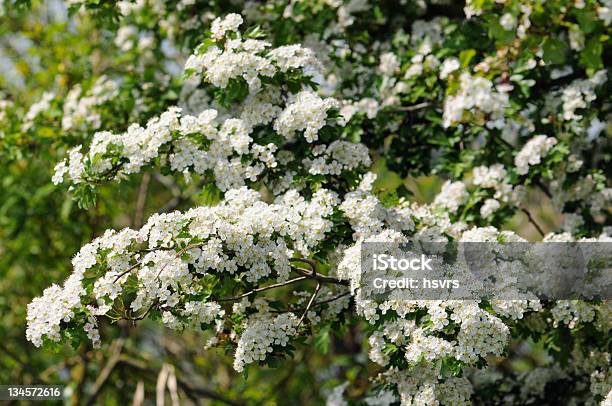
(289, 138)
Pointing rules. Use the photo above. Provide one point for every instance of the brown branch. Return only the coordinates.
(309, 305)
(415, 107)
(251, 292)
(542, 187)
(194, 392)
(141, 199)
(322, 302)
(115, 349)
(315, 304)
(130, 269)
(532, 221)
(312, 264)
(145, 314)
(319, 277)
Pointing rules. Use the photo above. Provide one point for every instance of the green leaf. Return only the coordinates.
(554, 51)
(323, 339)
(590, 57)
(85, 195)
(466, 56)
(587, 20)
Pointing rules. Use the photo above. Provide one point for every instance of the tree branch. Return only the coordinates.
(532, 221)
(309, 305)
(276, 285)
(141, 200)
(315, 304)
(415, 107)
(194, 392)
(115, 350)
(319, 277)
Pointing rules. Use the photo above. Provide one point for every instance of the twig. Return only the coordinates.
(139, 394)
(115, 348)
(332, 299)
(193, 392)
(319, 277)
(160, 385)
(309, 305)
(130, 269)
(312, 264)
(142, 199)
(276, 285)
(415, 107)
(79, 373)
(142, 316)
(315, 304)
(544, 189)
(533, 222)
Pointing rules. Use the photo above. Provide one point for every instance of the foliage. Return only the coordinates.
(288, 133)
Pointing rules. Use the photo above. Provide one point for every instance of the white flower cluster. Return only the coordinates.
(479, 333)
(219, 26)
(579, 94)
(572, 312)
(368, 106)
(36, 109)
(338, 157)
(427, 33)
(604, 12)
(202, 144)
(55, 306)
(507, 21)
(489, 177)
(389, 64)
(421, 386)
(368, 216)
(476, 95)
(449, 66)
(532, 152)
(307, 112)
(214, 144)
(80, 107)
(58, 304)
(243, 236)
(246, 59)
(495, 177)
(197, 143)
(489, 207)
(261, 335)
(452, 195)
(419, 63)
(295, 57)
